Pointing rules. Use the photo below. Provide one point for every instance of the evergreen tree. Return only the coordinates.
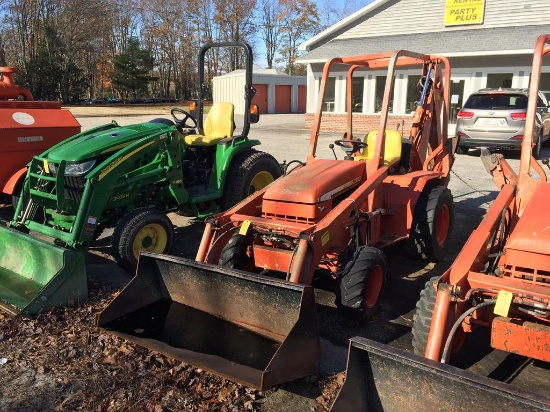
(132, 69)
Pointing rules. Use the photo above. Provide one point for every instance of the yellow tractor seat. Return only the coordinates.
(219, 124)
(392, 147)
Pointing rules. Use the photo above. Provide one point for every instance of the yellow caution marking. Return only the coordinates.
(244, 227)
(504, 300)
(325, 238)
(46, 166)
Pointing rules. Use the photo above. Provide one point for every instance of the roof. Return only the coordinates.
(341, 24)
(493, 41)
(255, 72)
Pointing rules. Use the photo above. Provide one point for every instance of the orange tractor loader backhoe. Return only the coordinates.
(27, 128)
(500, 280)
(327, 217)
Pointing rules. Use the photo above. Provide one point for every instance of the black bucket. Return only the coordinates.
(382, 378)
(252, 329)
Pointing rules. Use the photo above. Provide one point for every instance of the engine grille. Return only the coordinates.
(73, 187)
(287, 218)
(526, 274)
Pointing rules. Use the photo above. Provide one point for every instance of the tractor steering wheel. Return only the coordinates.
(350, 146)
(181, 123)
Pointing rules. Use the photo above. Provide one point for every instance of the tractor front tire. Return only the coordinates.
(538, 146)
(249, 172)
(141, 230)
(422, 323)
(422, 319)
(361, 284)
(235, 254)
(432, 225)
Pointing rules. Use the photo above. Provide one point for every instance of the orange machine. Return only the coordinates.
(501, 278)
(332, 216)
(27, 128)
(327, 218)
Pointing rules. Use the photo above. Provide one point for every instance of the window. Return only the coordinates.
(496, 80)
(357, 88)
(544, 83)
(379, 94)
(329, 99)
(414, 90)
(495, 101)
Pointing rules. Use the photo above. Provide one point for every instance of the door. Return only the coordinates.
(302, 99)
(457, 98)
(260, 98)
(283, 96)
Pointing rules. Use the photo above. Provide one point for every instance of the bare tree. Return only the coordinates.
(270, 25)
(300, 20)
(236, 22)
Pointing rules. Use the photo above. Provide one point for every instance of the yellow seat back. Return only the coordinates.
(392, 147)
(218, 125)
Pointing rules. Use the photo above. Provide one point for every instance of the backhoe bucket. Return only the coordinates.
(382, 378)
(35, 275)
(248, 328)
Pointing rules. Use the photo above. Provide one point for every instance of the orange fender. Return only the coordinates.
(12, 182)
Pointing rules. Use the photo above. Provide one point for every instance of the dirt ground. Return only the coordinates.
(60, 361)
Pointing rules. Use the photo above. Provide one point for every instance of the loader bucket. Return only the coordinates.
(248, 328)
(382, 378)
(35, 275)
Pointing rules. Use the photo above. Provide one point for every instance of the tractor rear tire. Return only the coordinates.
(141, 230)
(432, 225)
(361, 284)
(422, 319)
(249, 172)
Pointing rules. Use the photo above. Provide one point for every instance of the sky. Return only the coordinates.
(333, 10)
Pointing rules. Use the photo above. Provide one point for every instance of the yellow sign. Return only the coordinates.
(244, 227)
(462, 12)
(502, 305)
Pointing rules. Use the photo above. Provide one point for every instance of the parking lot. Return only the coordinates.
(285, 137)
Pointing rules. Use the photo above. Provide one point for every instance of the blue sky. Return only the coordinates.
(337, 10)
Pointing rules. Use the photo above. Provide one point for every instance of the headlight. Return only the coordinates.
(78, 169)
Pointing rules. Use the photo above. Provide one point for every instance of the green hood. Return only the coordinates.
(93, 145)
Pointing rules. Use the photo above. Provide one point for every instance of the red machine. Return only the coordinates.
(27, 128)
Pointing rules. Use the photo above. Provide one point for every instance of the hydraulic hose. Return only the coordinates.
(459, 322)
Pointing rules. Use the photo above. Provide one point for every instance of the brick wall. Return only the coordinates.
(361, 122)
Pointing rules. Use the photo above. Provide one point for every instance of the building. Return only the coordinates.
(275, 92)
(489, 44)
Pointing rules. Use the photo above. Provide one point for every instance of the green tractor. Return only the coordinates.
(126, 178)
